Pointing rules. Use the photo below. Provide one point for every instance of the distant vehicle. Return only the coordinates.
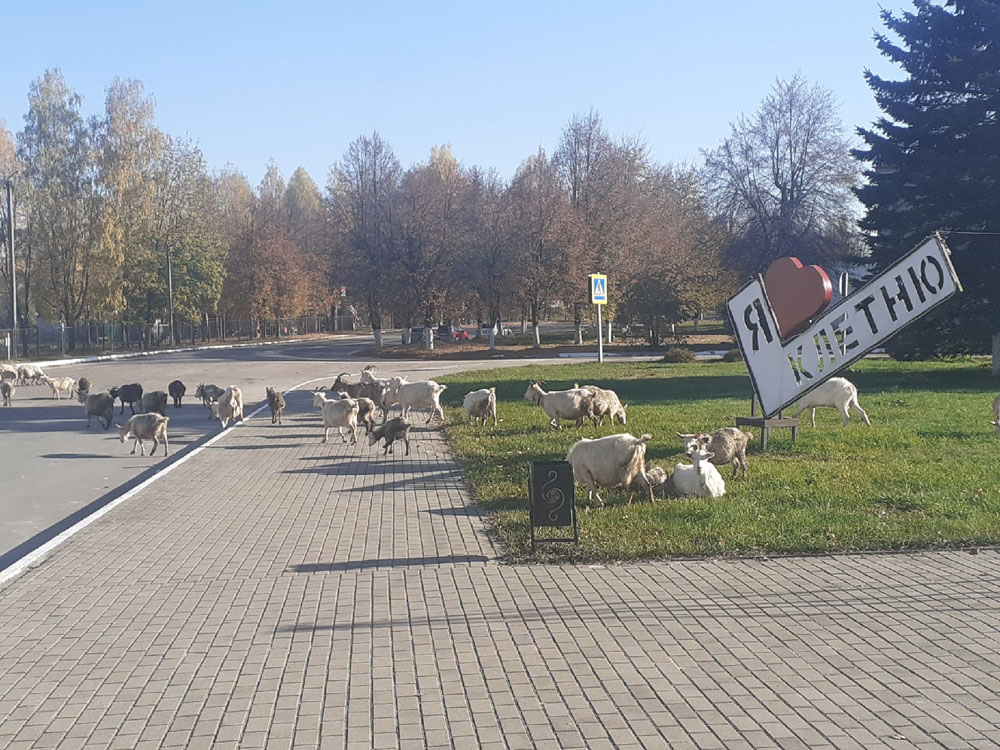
(503, 331)
(417, 334)
(451, 333)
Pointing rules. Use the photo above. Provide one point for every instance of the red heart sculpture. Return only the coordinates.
(797, 294)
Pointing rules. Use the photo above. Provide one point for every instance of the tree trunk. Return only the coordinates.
(429, 333)
(578, 322)
(534, 325)
(524, 321)
(996, 355)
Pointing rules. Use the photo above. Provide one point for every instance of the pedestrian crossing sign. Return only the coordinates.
(598, 289)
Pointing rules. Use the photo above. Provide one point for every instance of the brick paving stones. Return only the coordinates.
(279, 592)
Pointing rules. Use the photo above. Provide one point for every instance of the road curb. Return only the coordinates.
(134, 355)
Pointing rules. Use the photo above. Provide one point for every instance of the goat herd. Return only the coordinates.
(612, 461)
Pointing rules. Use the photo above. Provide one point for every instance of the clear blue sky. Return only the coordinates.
(254, 81)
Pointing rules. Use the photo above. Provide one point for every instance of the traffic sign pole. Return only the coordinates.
(600, 336)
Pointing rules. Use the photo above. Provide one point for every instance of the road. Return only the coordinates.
(56, 469)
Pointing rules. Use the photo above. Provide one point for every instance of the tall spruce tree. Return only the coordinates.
(934, 162)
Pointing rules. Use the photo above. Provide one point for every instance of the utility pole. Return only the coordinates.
(11, 266)
(170, 294)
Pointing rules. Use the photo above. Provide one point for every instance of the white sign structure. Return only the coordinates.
(784, 371)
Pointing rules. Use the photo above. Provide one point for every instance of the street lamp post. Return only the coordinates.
(12, 267)
(170, 295)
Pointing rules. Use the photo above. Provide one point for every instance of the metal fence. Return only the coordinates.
(97, 337)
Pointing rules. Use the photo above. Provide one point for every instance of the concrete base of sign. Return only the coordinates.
(767, 424)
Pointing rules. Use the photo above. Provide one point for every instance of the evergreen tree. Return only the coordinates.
(934, 162)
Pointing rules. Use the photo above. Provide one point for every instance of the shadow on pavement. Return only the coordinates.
(392, 562)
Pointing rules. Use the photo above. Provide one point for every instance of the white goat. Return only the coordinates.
(836, 393)
(996, 413)
(150, 426)
(339, 413)
(701, 479)
(576, 404)
(29, 374)
(609, 462)
(229, 406)
(7, 390)
(423, 394)
(58, 385)
(481, 405)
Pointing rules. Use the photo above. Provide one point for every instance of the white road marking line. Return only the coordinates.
(37, 554)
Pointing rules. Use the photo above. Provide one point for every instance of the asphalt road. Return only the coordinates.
(55, 469)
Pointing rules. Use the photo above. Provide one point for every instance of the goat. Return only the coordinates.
(176, 389)
(58, 385)
(366, 411)
(153, 401)
(606, 404)
(229, 406)
(996, 413)
(29, 374)
(728, 445)
(701, 479)
(339, 413)
(609, 462)
(836, 393)
(393, 430)
(100, 405)
(371, 389)
(481, 405)
(7, 390)
(83, 384)
(276, 403)
(145, 427)
(9, 375)
(576, 404)
(127, 393)
(208, 394)
(420, 395)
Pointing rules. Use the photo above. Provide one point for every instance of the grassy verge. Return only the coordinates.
(927, 474)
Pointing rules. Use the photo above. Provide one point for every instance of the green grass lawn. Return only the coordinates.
(927, 474)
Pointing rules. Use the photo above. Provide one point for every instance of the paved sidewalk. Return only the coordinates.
(278, 592)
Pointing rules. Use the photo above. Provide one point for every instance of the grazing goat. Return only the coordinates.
(208, 394)
(276, 403)
(229, 406)
(576, 404)
(127, 393)
(701, 479)
(996, 414)
(836, 393)
(7, 390)
(728, 445)
(153, 401)
(176, 389)
(59, 385)
(393, 430)
(339, 413)
(423, 394)
(606, 404)
(83, 384)
(100, 405)
(145, 427)
(8, 371)
(29, 374)
(481, 405)
(609, 462)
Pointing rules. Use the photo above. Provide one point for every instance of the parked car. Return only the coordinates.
(417, 334)
(460, 334)
(451, 333)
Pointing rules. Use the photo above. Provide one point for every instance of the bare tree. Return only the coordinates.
(782, 179)
(360, 194)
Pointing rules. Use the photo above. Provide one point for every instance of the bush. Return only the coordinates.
(676, 354)
(733, 355)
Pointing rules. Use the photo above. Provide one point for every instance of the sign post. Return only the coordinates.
(551, 499)
(599, 297)
(785, 368)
